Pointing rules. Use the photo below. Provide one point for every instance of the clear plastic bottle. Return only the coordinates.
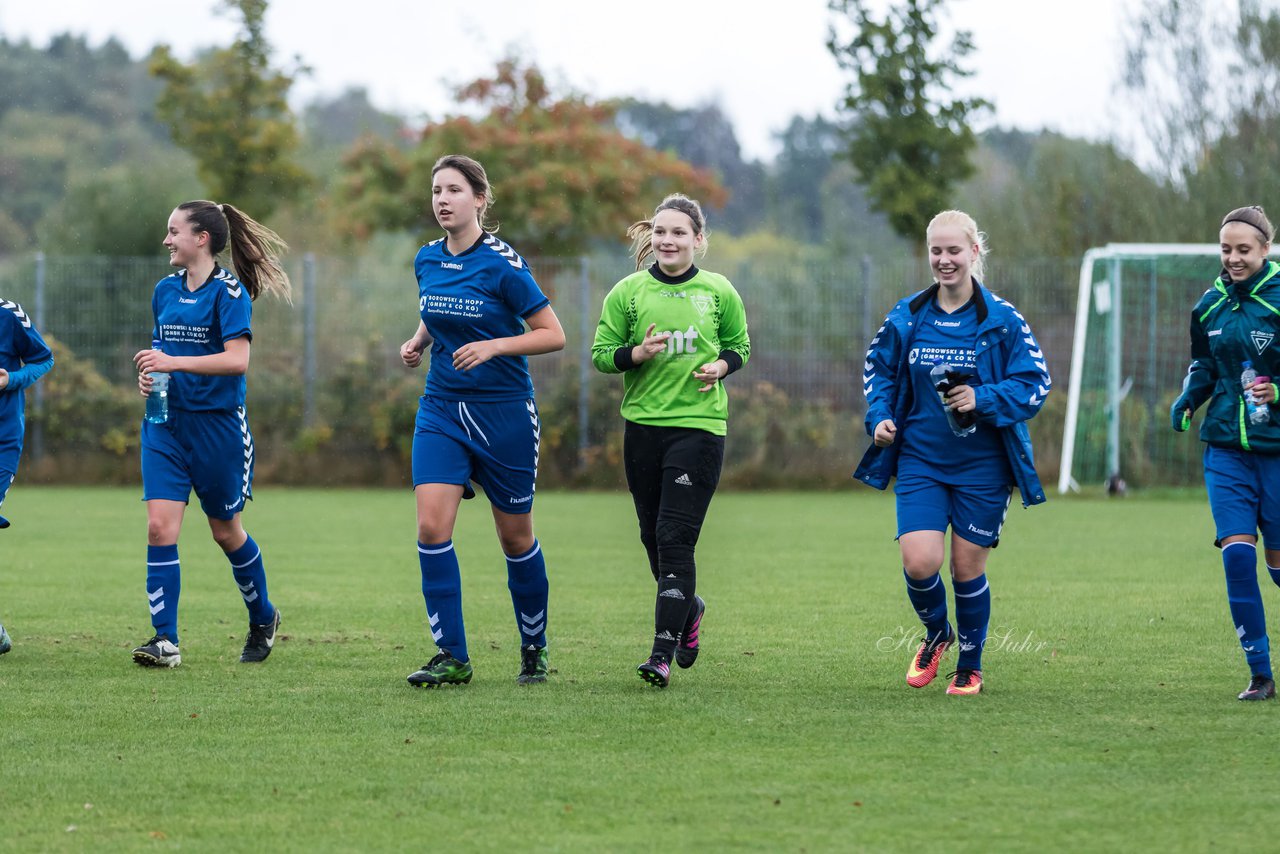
(1259, 413)
(158, 400)
(944, 378)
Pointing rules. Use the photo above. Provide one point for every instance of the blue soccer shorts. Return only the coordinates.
(1244, 493)
(210, 452)
(975, 513)
(494, 444)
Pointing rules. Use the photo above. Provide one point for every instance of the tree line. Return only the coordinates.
(99, 144)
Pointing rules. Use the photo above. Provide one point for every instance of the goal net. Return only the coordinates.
(1128, 358)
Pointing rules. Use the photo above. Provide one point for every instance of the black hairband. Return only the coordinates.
(1265, 237)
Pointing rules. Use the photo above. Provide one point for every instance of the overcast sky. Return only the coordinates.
(1044, 63)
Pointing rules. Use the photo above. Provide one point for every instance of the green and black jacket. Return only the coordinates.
(1233, 322)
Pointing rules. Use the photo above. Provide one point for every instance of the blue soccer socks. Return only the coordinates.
(442, 592)
(527, 581)
(251, 578)
(164, 583)
(929, 597)
(973, 613)
(1240, 562)
(1274, 571)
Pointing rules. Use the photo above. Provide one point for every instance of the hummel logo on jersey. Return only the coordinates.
(671, 593)
(232, 283)
(1213, 332)
(17, 312)
(950, 324)
(665, 635)
(683, 480)
(504, 250)
(186, 301)
(450, 265)
(1261, 340)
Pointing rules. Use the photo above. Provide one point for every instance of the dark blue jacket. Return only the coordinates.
(1014, 374)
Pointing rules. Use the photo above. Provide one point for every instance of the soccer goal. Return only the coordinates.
(1129, 354)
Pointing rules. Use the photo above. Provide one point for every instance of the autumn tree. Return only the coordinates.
(229, 108)
(908, 140)
(563, 174)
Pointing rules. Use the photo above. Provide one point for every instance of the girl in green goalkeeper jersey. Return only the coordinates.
(674, 332)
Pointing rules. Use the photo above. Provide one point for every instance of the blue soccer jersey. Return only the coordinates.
(199, 323)
(933, 445)
(20, 344)
(480, 294)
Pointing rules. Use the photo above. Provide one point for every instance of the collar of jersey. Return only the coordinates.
(930, 294)
(444, 246)
(688, 274)
(212, 275)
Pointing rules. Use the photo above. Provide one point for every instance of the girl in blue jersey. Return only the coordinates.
(24, 358)
(477, 419)
(1237, 321)
(202, 315)
(951, 379)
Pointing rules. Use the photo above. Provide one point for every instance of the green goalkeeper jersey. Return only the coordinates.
(706, 320)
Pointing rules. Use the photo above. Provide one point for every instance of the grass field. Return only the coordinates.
(1109, 719)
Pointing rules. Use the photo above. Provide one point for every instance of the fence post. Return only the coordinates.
(868, 283)
(37, 428)
(309, 340)
(584, 361)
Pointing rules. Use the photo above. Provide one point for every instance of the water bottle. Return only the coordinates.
(944, 378)
(1259, 413)
(158, 400)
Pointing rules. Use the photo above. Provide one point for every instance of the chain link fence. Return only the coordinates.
(330, 403)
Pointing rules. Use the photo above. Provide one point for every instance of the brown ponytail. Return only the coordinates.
(255, 249)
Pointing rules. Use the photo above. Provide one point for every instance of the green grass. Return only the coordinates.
(1109, 719)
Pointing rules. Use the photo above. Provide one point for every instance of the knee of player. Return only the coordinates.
(514, 545)
(227, 537)
(921, 567)
(433, 534)
(162, 532)
(671, 533)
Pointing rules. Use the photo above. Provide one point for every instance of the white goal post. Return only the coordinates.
(1105, 298)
